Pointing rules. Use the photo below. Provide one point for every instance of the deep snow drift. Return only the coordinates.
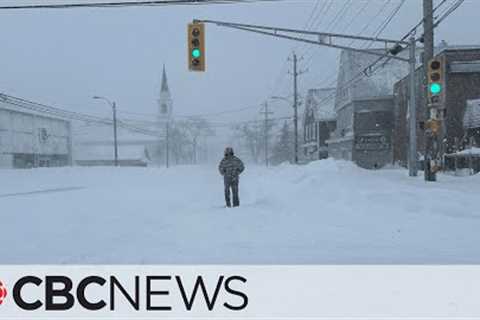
(324, 212)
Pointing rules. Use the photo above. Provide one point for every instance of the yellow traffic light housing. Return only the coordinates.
(436, 81)
(196, 46)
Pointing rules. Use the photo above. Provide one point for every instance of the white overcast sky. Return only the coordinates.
(64, 57)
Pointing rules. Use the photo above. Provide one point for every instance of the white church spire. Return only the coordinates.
(164, 87)
(165, 103)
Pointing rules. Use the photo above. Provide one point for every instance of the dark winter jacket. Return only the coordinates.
(230, 167)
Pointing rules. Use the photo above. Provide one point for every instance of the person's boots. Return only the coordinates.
(236, 202)
(229, 204)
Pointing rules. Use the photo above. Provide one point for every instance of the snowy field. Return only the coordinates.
(325, 212)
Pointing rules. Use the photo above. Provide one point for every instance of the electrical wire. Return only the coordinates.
(70, 115)
(359, 76)
(120, 4)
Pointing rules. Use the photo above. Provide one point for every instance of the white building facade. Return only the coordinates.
(29, 139)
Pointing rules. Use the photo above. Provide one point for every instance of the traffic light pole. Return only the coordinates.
(327, 40)
(430, 136)
(412, 154)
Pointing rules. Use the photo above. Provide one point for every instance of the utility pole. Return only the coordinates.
(115, 140)
(430, 137)
(295, 74)
(412, 154)
(266, 113)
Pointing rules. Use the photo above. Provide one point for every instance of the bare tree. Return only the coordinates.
(251, 137)
(195, 128)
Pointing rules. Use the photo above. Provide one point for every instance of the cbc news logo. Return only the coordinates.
(3, 292)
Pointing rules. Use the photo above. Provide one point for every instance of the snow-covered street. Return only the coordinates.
(324, 212)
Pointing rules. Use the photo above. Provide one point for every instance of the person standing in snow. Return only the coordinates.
(230, 168)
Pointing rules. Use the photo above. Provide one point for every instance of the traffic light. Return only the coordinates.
(436, 81)
(196, 46)
(396, 49)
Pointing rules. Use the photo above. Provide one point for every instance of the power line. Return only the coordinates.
(318, 19)
(454, 7)
(71, 115)
(352, 20)
(200, 115)
(332, 77)
(380, 11)
(310, 48)
(214, 123)
(336, 19)
(120, 4)
(317, 3)
(340, 15)
(311, 21)
(283, 70)
(389, 19)
(363, 74)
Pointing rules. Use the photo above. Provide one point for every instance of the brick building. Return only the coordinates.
(462, 84)
(364, 107)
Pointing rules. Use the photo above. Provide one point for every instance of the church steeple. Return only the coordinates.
(165, 103)
(164, 87)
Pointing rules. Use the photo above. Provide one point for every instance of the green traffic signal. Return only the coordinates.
(196, 53)
(435, 88)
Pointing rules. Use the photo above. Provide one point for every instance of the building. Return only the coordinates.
(318, 122)
(165, 102)
(471, 121)
(461, 88)
(164, 123)
(32, 139)
(364, 108)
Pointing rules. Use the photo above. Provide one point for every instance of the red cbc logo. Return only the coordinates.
(3, 292)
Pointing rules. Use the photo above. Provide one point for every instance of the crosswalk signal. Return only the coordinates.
(436, 81)
(196, 46)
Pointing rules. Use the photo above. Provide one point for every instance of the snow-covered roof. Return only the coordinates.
(351, 86)
(443, 46)
(470, 151)
(471, 118)
(474, 152)
(5, 104)
(321, 102)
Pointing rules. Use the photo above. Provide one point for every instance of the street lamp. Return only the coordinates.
(279, 98)
(114, 110)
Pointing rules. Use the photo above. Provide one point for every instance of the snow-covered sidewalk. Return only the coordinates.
(324, 212)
